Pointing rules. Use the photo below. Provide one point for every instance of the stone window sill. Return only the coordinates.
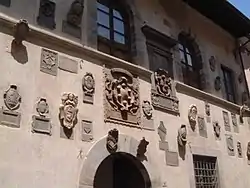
(37, 33)
(191, 91)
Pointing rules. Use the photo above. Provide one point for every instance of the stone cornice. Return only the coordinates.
(51, 38)
(186, 89)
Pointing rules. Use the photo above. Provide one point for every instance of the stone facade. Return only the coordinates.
(66, 106)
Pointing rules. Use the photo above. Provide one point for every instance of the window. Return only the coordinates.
(228, 84)
(113, 29)
(206, 172)
(190, 61)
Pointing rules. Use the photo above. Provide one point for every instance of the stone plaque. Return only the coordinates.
(68, 64)
(226, 121)
(10, 118)
(172, 158)
(163, 145)
(5, 3)
(202, 126)
(46, 17)
(121, 97)
(230, 145)
(163, 93)
(71, 29)
(87, 131)
(234, 122)
(88, 87)
(41, 125)
(49, 62)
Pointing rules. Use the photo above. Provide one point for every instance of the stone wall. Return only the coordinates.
(50, 63)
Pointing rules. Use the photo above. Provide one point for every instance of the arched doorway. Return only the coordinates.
(121, 170)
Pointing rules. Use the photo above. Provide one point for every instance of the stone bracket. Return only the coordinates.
(41, 125)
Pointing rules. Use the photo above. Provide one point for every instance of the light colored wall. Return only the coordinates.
(35, 160)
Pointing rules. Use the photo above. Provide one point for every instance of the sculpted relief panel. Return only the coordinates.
(163, 92)
(121, 100)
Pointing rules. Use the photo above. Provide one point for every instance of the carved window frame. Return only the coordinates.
(110, 45)
(228, 81)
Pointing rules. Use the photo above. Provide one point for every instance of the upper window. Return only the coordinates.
(205, 171)
(113, 29)
(228, 84)
(190, 62)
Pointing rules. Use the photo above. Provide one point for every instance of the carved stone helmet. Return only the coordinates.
(182, 135)
(75, 12)
(21, 31)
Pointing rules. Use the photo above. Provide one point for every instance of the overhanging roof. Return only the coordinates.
(222, 13)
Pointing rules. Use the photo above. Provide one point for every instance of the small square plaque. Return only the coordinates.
(87, 131)
(41, 125)
(10, 118)
(172, 158)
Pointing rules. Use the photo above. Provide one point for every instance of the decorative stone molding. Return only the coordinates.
(12, 99)
(226, 121)
(239, 149)
(72, 25)
(217, 130)
(21, 30)
(68, 110)
(212, 63)
(234, 122)
(182, 136)
(147, 117)
(112, 141)
(192, 115)
(88, 86)
(46, 17)
(248, 153)
(217, 83)
(142, 149)
(121, 97)
(41, 123)
(202, 126)
(163, 92)
(49, 62)
(230, 145)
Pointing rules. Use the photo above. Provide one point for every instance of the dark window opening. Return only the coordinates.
(205, 171)
(228, 84)
(113, 29)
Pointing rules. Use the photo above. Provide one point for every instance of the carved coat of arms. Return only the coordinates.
(88, 84)
(122, 96)
(68, 110)
(163, 82)
(112, 141)
(42, 107)
(12, 99)
(182, 136)
(147, 109)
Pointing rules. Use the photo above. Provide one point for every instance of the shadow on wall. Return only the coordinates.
(19, 52)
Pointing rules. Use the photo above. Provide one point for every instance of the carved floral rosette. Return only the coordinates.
(68, 110)
(163, 93)
(121, 97)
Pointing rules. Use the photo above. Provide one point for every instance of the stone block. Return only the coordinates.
(72, 30)
(49, 62)
(172, 158)
(87, 130)
(68, 64)
(10, 118)
(41, 125)
(163, 145)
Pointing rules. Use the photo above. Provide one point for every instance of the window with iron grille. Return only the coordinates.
(228, 84)
(206, 172)
(113, 29)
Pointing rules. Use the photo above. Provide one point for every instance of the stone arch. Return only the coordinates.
(98, 153)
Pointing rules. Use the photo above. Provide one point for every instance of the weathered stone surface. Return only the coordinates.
(46, 17)
(162, 131)
(87, 131)
(163, 145)
(172, 158)
(49, 62)
(66, 133)
(72, 30)
(234, 122)
(226, 121)
(41, 125)
(121, 97)
(217, 83)
(202, 126)
(10, 118)
(230, 145)
(212, 63)
(68, 64)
